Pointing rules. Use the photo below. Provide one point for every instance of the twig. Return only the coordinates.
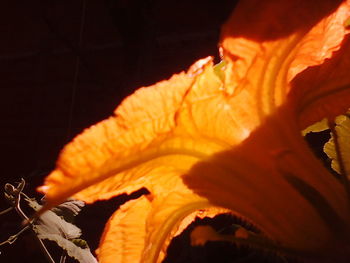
(6, 211)
(63, 258)
(14, 196)
(14, 237)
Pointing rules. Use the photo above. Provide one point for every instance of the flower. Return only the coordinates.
(226, 138)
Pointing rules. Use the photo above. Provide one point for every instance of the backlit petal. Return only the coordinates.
(142, 130)
(323, 91)
(256, 179)
(141, 230)
(111, 146)
(125, 232)
(181, 117)
(264, 57)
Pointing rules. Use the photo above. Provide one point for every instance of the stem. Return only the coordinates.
(6, 211)
(18, 209)
(14, 237)
(63, 257)
(44, 249)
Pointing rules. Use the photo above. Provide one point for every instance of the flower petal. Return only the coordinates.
(182, 117)
(124, 234)
(265, 179)
(275, 19)
(264, 57)
(144, 122)
(141, 230)
(323, 91)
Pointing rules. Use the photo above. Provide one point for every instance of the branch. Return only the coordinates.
(14, 237)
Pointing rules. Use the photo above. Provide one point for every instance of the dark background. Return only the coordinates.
(65, 65)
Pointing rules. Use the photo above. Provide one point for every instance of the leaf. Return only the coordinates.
(50, 222)
(319, 126)
(342, 127)
(52, 227)
(69, 209)
(74, 251)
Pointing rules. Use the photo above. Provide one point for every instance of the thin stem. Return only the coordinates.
(14, 237)
(16, 205)
(41, 243)
(44, 249)
(63, 258)
(26, 196)
(6, 211)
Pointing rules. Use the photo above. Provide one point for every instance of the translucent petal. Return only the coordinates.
(268, 179)
(141, 230)
(184, 120)
(264, 58)
(123, 239)
(323, 91)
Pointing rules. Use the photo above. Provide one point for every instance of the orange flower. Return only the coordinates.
(226, 138)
